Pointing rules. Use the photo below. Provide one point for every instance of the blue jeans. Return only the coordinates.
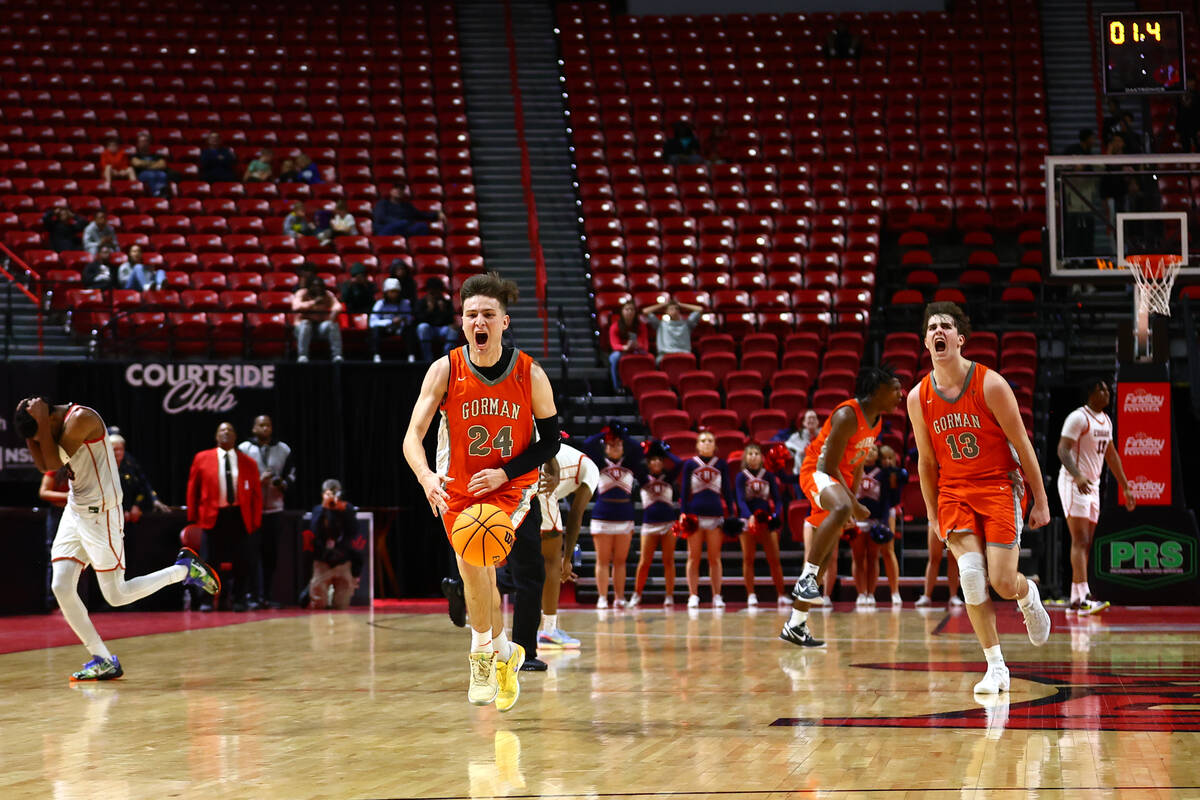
(155, 181)
(403, 227)
(427, 333)
(614, 358)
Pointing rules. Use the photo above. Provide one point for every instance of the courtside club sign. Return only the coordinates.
(1144, 440)
(200, 387)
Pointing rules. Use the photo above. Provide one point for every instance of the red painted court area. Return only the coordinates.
(1117, 619)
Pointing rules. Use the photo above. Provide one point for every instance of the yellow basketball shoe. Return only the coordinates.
(483, 687)
(506, 676)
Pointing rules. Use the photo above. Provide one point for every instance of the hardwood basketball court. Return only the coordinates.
(655, 705)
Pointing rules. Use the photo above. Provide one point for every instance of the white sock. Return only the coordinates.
(993, 655)
(120, 592)
(1026, 602)
(549, 622)
(809, 569)
(798, 617)
(502, 645)
(481, 641)
(1085, 591)
(1078, 592)
(65, 583)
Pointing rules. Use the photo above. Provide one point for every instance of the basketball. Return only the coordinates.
(483, 535)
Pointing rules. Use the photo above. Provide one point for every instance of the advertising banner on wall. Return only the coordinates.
(1144, 440)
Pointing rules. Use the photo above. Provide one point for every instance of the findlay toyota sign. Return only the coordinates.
(200, 387)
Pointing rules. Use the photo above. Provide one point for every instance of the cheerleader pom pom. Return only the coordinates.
(686, 525)
(761, 516)
(774, 524)
(732, 526)
(777, 457)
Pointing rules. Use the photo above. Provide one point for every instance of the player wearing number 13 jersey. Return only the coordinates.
(972, 445)
(491, 399)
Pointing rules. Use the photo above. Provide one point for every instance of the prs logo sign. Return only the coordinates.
(200, 387)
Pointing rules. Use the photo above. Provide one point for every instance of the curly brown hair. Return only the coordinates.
(961, 320)
(490, 284)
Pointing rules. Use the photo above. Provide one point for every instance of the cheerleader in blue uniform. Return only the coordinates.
(759, 505)
(660, 514)
(619, 460)
(707, 497)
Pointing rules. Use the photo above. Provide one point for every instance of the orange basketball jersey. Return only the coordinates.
(968, 443)
(857, 447)
(484, 424)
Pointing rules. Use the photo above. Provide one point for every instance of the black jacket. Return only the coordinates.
(334, 532)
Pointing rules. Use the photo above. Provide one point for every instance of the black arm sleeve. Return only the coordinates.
(538, 453)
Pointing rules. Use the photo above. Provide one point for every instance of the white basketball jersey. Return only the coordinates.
(1092, 433)
(95, 485)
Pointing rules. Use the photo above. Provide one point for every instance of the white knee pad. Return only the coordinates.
(972, 576)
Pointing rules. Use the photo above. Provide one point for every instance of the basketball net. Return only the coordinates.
(1153, 277)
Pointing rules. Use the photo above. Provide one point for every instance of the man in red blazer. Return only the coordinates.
(224, 496)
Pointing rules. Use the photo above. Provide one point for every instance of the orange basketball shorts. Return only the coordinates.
(512, 500)
(991, 512)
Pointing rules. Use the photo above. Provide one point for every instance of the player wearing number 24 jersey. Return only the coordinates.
(491, 398)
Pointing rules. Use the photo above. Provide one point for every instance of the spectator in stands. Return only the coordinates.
(259, 169)
(401, 270)
(683, 147)
(340, 223)
(797, 441)
(99, 232)
(358, 293)
(1087, 141)
(391, 316)
(626, 335)
(1117, 183)
(114, 162)
(218, 164)
(1128, 131)
(1079, 228)
(140, 496)
(297, 222)
(317, 307)
(151, 167)
(435, 319)
(64, 228)
(1112, 119)
(336, 562)
(1187, 117)
(842, 43)
(674, 331)
(395, 215)
(101, 273)
(307, 171)
(135, 274)
(287, 172)
(718, 147)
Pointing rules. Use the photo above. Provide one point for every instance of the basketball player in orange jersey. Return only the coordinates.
(493, 399)
(972, 447)
(92, 528)
(829, 477)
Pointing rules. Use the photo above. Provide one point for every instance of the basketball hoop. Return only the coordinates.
(1153, 277)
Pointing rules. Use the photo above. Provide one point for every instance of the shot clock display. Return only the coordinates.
(1142, 53)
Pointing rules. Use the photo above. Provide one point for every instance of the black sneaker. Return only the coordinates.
(806, 589)
(533, 664)
(453, 590)
(799, 635)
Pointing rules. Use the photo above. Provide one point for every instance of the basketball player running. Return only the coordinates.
(492, 398)
(570, 473)
(92, 528)
(829, 477)
(1086, 444)
(972, 446)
